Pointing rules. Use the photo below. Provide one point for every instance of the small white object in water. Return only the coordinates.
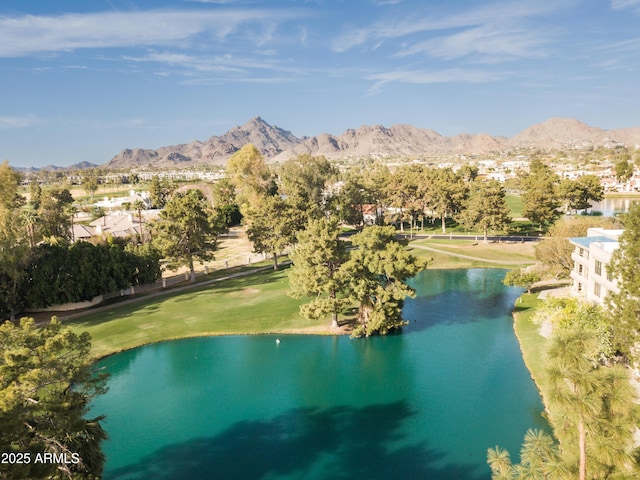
(277, 341)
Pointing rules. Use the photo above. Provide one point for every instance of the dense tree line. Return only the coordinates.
(543, 193)
(624, 306)
(58, 274)
(61, 274)
(40, 266)
(277, 201)
(590, 403)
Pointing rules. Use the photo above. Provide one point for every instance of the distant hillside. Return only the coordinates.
(277, 144)
(270, 140)
(570, 133)
(53, 168)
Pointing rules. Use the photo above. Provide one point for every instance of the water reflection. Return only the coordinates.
(423, 404)
(613, 206)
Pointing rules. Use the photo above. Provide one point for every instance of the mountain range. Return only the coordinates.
(376, 141)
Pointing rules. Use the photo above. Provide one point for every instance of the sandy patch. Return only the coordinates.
(249, 291)
(147, 326)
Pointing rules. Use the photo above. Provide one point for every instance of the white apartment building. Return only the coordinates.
(591, 256)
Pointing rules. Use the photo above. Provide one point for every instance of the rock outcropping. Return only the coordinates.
(376, 141)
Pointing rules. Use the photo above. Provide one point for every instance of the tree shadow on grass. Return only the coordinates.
(521, 307)
(339, 443)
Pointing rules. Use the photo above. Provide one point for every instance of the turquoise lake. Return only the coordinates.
(426, 403)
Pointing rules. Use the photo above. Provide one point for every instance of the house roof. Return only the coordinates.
(118, 225)
(81, 231)
(585, 242)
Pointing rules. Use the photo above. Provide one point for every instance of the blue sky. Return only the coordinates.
(81, 80)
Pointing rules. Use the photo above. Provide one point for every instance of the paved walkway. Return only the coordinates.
(469, 257)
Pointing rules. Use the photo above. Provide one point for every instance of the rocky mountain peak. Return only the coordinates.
(377, 141)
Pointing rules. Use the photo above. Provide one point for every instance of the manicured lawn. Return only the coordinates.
(257, 303)
(444, 260)
(514, 202)
(502, 252)
(532, 343)
(254, 304)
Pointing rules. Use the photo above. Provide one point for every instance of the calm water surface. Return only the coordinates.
(424, 404)
(613, 206)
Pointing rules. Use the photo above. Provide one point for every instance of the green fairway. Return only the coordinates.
(253, 304)
(514, 202)
(499, 255)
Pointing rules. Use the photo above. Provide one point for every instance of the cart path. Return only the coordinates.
(477, 259)
(62, 316)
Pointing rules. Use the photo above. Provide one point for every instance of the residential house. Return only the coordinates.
(117, 202)
(82, 232)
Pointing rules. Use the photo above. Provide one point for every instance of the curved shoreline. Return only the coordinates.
(211, 309)
(532, 346)
(321, 332)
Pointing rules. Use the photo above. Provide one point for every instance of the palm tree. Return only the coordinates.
(593, 405)
(138, 205)
(71, 211)
(539, 456)
(500, 464)
(30, 220)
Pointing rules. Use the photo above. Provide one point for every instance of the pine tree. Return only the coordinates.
(539, 200)
(273, 226)
(444, 193)
(186, 230)
(46, 386)
(592, 407)
(377, 272)
(625, 305)
(317, 270)
(485, 208)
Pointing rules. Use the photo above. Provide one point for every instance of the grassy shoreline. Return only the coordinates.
(532, 344)
(253, 304)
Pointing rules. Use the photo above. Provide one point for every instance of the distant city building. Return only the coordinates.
(591, 256)
(117, 202)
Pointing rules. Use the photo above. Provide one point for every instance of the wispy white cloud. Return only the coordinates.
(18, 121)
(622, 4)
(453, 75)
(220, 68)
(620, 55)
(214, 81)
(630, 46)
(215, 64)
(487, 41)
(380, 3)
(215, 2)
(30, 34)
(506, 18)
